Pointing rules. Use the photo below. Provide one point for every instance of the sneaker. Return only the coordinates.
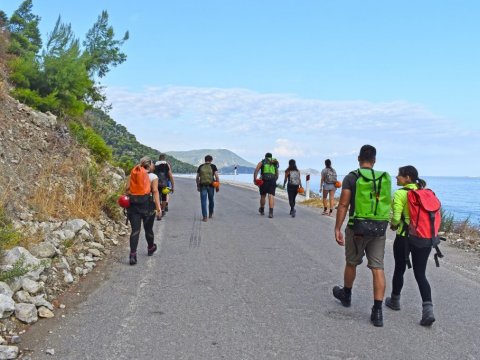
(210, 215)
(377, 317)
(339, 293)
(330, 213)
(291, 211)
(133, 258)
(270, 214)
(294, 213)
(261, 210)
(204, 219)
(152, 250)
(325, 212)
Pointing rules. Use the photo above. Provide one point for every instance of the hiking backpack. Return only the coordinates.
(372, 202)
(330, 176)
(294, 178)
(139, 186)
(161, 170)
(206, 174)
(269, 169)
(425, 219)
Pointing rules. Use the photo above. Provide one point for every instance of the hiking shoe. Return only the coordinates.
(393, 302)
(427, 314)
(339, 293)
(377, 317)
(133, 258)
(152, 250)
(261, 210)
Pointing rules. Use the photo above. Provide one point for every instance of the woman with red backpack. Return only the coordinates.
(405, 244)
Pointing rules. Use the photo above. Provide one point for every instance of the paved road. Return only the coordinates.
(242, 286)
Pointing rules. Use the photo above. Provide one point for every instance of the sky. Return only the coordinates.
(303, 79)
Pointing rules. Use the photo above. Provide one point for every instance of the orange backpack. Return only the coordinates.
(139, 181)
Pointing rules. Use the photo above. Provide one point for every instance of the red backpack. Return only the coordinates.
(425, 218)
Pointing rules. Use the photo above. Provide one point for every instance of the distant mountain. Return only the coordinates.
(221, 157)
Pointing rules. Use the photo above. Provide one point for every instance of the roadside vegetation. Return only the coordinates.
(460, 233)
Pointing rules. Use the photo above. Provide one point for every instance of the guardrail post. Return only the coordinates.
(307, 187)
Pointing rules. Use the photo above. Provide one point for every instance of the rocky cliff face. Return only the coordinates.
(45, 187)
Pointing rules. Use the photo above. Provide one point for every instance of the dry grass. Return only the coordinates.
(81, 197)
(317, 202)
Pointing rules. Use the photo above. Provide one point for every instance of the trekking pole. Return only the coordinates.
(307, 187)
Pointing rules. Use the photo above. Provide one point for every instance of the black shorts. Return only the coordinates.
(268, 187)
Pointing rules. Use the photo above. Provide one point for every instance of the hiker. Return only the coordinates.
(144, 204)
(404, 245)
(207, 174)
(366, 228)
(166, 184)
(327, 184)
(292, 175)
(268, 168)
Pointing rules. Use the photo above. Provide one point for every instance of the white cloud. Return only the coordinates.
(182, 118)
(287, 148)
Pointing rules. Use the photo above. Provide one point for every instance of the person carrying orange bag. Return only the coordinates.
(144, 204)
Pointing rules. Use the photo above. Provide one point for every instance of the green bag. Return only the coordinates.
(373, 198)
(206, 174)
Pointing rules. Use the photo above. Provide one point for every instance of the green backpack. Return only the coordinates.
(373, 198)
(206, 174)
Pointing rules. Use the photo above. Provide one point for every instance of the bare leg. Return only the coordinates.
(271, 201)
(378, 284)
(349, 275)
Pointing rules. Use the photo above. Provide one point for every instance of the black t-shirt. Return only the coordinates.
(350, 183)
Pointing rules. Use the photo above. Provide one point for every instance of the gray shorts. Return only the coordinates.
(329, 187)
(358, 246)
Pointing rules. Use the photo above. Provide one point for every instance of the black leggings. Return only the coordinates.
(292, 191)
(419, 265)
(136, 217)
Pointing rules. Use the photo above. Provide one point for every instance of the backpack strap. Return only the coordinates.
(404, 233)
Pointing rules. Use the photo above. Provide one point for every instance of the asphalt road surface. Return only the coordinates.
(243, 286)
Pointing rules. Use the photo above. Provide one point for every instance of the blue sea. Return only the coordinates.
(460, 196)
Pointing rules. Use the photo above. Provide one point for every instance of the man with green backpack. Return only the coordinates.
(207, 183)
(366, 195)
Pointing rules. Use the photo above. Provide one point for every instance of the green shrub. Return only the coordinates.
(34, 100)
(19, 269)
(88, 137)
(447, 221)
(9, 237)
(111, 207)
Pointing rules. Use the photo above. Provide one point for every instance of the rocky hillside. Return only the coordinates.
(126, 149)
(54, 202)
